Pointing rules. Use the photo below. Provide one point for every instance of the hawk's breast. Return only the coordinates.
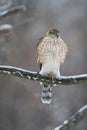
(51, 50)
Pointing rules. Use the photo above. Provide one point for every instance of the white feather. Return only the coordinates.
(51, 66)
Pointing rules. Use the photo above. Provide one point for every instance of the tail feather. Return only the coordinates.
(46, 93)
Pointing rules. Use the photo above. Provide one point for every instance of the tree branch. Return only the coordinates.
(21, 73)
(74, 120)
(11, 11)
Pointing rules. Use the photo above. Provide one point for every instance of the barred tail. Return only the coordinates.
(46, 93)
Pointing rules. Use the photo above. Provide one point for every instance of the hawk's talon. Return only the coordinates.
(52, 75)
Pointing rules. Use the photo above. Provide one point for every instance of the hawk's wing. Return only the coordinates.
(39, 41)
(40, 65)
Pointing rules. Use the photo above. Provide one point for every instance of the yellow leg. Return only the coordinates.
(52, 75)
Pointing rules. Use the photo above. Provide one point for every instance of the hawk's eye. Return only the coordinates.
(54, 32)
(50, 32)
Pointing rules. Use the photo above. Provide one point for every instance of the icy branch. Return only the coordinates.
(21, 73)
(11, 11)
(74, 120)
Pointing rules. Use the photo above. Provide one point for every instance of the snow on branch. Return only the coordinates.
(12, 11)
(6, 28)
(63, 80)
(74, 120)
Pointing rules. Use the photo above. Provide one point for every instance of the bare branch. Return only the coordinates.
(74, 120)
(21, 73)
(11, 11)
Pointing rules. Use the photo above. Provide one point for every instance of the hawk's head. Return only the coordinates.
(53, 33)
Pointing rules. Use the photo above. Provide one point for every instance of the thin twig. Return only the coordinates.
(12, 11)
(21, 73)
(74, 120)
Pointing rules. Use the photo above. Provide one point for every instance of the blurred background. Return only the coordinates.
(20, 104)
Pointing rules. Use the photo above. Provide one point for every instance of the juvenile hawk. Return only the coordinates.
(51, 53)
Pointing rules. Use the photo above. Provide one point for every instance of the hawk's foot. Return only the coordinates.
(52, 75)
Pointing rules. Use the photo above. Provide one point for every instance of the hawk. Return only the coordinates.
(52, 51)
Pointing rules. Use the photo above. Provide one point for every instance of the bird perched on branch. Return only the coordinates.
(52, 51)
